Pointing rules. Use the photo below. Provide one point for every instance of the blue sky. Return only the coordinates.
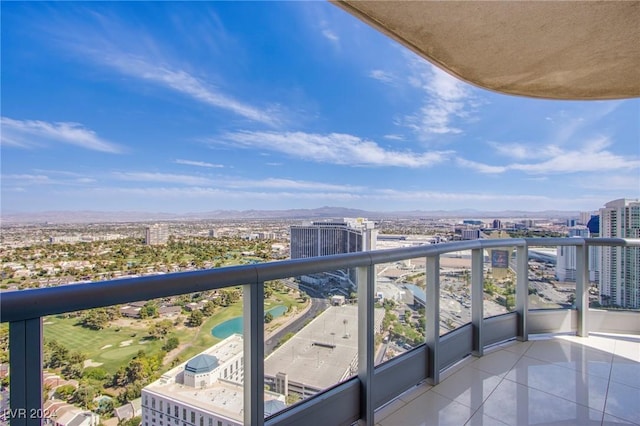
(190, 107)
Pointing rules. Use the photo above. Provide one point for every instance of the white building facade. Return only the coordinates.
(324, 238)
(207, 390)
(156, 234)
(566, 258)
(620, 274)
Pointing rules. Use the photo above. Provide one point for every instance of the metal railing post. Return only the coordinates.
(366, 288)
(25, 340)
(522, 291)
(477, 304)
(582, 285)
(253, 342)
(432, 313)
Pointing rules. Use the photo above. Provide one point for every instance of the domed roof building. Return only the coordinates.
(202, 363)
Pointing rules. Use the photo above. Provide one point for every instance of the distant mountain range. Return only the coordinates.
(319, 213)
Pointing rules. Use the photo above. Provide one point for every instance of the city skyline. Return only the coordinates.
(195, 107)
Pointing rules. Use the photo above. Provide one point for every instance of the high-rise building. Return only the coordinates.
(497, 224)
(156, 234)
(470, 234)
(332, 237)
(594, 225)
(324, 238)
(566, 258)
(620, 274)
(585, 217)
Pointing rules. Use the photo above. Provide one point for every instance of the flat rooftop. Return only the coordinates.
(224, 397)
(322, 353)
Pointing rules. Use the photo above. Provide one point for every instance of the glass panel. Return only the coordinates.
(202, 377)
(311, 345)
(400, 301)
(455, 290)
(617, 271)
(175, 352)
(499, 281)
(552, 277)
(115, 352)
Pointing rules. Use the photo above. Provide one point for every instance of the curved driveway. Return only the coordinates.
(318, 304)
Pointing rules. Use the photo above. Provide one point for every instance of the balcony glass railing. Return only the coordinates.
(464, 297)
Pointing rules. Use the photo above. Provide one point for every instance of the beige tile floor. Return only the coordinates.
(549, 380)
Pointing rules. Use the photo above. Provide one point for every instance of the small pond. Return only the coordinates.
(234, 325)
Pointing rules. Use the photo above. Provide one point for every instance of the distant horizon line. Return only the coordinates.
(85, 216)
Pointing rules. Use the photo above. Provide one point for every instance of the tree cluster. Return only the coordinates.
(99, 318)
(57, 356)
(140, 371)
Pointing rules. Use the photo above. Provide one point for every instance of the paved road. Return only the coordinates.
(318, 304)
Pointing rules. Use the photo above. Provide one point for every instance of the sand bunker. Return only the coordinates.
(126, 343)
(90, 363)
(106, 346)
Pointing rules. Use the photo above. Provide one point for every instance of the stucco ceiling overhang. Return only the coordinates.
(544, 49)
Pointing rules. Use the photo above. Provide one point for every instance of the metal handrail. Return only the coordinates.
(34, 303)
(24, 310)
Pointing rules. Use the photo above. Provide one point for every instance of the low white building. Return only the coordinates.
(204, 391)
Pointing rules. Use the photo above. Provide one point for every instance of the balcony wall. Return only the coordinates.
(357, 398)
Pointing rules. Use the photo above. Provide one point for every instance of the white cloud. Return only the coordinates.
(514, 150)
(590, 157)
(161, 177)
(394, 137)
(35, 133)
(489, 201)
(330, 35)
(609, 183)
(380, 75)
(445, 100)
(107, 41)
(66, 173)
(480, 167)
(288, 184)
(85, 180)
(521, 151)
(69, 179)
(328, 32)
(392, 194)
(28, 179)
(185, 83)
(567, 126)
(199, 164)
(334, 148)
(577, 161)
(217, 194)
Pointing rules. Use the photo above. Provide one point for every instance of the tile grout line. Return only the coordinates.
(563, 398)
(606, 394)
(499, 383)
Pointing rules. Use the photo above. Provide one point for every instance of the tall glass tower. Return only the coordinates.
(620, 274)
